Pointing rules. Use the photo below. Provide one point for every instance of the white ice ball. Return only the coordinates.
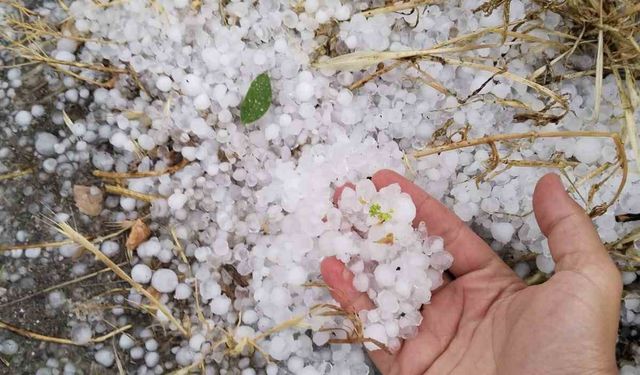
(126, 342)
(220, 305)
(177, 200)
(183, 291)
(280, 297)
(545, 263)
(141, 273)
(361, 282)
(45, 143)
(179, 4)
(502, 232)
(201, 102)
(385, 275)
(588, 150)
(191, 85)
(296, 275)
(105, 357)
(376, 332)
(81, 334)
(404, 210)
(163, 83)
(304, 91)
(23, 118)
(164, 280)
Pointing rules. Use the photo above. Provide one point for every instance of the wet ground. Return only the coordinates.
(25, 203)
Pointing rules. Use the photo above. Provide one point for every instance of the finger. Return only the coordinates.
(573, 240)
(340, 282)
(338, 192)
(469, 251)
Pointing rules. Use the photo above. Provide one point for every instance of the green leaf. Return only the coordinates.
(257, 101)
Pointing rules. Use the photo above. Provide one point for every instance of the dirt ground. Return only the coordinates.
(25, 202)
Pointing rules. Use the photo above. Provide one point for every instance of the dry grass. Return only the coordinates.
(495, 160)
(29, 37)
(58, 286)
(235, 347)
(397, 7)
(625, 250)
(451, 52)
(16, 174)
(355, 333)
(122, 227)
(130, 175)
(609, 29)
(76, 237)
(60, 340)
(119, 190)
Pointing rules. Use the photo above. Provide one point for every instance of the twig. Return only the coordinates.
(44, 245)
(363, 59)
(512, 136)
(128, 175)
(399, 6)
(61, 285)
(16, 174)
(615, 137)
(432, 82)
(599, 68)
(111, 334)
(538, 163)
(118, 360)
(631, 237)
(119, 190)
(627, 257)
(630, 125)
(59, 340)
(493, 162)
(380, 71)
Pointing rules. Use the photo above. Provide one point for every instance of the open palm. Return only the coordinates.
(484, 319)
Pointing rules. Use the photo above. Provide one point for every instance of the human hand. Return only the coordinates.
(485, 320)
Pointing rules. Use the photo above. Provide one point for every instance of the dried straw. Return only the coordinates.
(621, 162)
(16, 174)
(70, 233)
(60, 340)
(397, 7)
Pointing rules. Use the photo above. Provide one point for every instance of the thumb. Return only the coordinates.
(573, 240)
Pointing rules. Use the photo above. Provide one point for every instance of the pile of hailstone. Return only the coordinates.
(395, 264)
(257, 198)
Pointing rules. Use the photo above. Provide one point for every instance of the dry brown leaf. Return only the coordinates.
(88, 199)
(139, 233)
